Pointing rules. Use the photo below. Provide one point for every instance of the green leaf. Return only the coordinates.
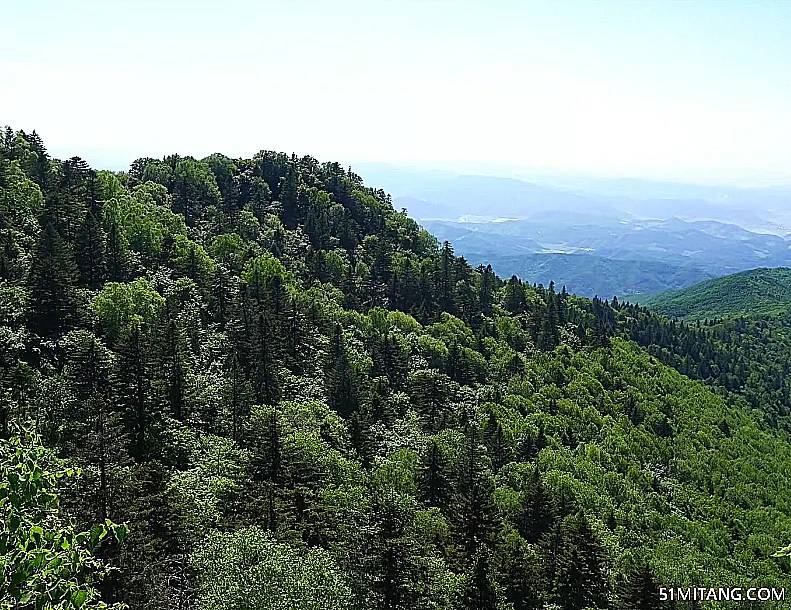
(78, 599)
(96, 532)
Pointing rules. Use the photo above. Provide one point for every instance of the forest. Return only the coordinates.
(253, 384)
(758, 291)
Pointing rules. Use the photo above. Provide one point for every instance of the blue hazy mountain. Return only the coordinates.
(593, 235)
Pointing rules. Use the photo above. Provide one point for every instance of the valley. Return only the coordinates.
(597, 244)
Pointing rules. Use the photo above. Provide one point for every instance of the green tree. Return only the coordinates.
(580, 578)
(121, 308)
(90, 251)
(248, 569)
(341, 386)
(535, 510)
(46, 563)
(133, 381)
(481, 591)
(639, 590)
(434, 480)
(473, 509)
(53, 274)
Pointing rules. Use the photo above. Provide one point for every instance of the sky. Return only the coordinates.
(671, 90)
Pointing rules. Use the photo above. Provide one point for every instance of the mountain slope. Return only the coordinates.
(296, 398)
(758, 291)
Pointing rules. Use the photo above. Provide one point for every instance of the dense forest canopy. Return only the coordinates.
(292, 396)
(758, 291)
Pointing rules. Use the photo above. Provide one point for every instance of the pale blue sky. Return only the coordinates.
(693, 91)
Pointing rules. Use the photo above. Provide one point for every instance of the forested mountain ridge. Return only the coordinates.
(295, 397)
(758, 291)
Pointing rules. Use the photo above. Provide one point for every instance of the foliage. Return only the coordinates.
(122, 307)
(249, 569)
(758, 291)
(298, 398)
(45, 562)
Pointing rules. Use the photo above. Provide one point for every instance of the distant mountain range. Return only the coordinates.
(598, 276)
(597, 243)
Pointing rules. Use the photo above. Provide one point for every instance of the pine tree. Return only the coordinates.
(263, 439)
(221, 296)
(551, 546)
(580, 579)
(90, 252)
(341, 387)
(496, 443)
(266, 379)
(446, 280)
(480, 592)
(38, 168)
(473, 509)
(391, 559)
(520, 573)
(431, 392)
(488, 286)
(174, 366)
(433, 480)
(238, 394)
(117, 254)
(133, 377)
(95, 433)
(52, 277)
(396, 362)
(535, 511)
(549, 337)
(639, 590)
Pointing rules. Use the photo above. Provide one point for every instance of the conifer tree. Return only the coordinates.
(496, 443)
(90, 251)
(433, 481)
(535, 511)
(580, 579)
(133, 377)
(117, 253)
(38, 167)
(391, 560)
(638, 589)
(95, 432)
(432, 393)
(341, 388)
(52, 277)
(514, 299)
(480, 592)
(221, 296)
(473, 509)
(238, 394)
(174, 365)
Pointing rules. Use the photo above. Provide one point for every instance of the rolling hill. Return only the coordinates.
(758, 291)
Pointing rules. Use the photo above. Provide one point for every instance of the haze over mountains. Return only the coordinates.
(596, 236)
